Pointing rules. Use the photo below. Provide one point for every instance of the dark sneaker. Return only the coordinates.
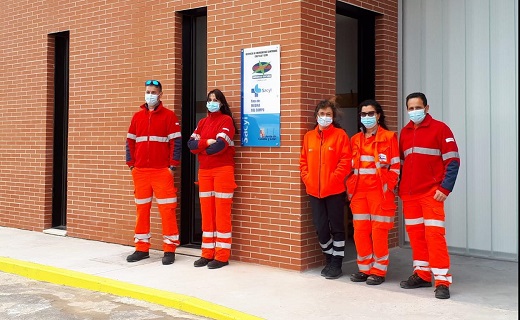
(138, 255)
(414, 281)
(325, 270)
(358, 277)
(202, 262)
(169, 258)
(334, 273)
(375, 280)
(215, 264)
(442, 292)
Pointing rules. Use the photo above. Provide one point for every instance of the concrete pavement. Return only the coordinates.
(482, 289)
(22, 298)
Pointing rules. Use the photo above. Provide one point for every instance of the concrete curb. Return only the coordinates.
(85, 281)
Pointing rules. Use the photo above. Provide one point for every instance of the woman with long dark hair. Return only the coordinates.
(212, 142)
(370, 188)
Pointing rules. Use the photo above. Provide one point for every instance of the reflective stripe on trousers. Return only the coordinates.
(328, 217)
(424, 220)
(216, 187)
(373, 217)
(148, 182)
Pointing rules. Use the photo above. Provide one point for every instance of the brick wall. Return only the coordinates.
(114, 47)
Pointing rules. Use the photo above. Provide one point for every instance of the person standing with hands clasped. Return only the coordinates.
(153, 151)
(430, 159)
(325, 161)
(212, 142)
(370, 188)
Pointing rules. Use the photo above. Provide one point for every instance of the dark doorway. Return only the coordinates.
(355, 61)
(194, 85)
(355, 78)
(61, 122)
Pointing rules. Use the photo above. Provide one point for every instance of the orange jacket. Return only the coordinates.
(325, 161)
(384, 161)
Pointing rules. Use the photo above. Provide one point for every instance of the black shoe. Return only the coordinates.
(215, 264)
(414, 281)
(137, 256)
(375, 280)
(334, 273)
(169, 258)
(358, 277)
(202, 262)
(442, 292)
(325, 270)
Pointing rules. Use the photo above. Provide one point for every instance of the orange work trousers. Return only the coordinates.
(424, 220)
(147, 182)
(216, 187)
(373, 217)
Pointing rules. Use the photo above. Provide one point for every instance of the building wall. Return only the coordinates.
(114, 47)
(464, 56)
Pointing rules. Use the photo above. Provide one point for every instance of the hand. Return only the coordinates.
(439, 196)
(211, 141)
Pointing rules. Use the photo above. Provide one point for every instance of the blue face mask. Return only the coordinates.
(369, 122)
(213, 106)
(324, 121)
(417, 116)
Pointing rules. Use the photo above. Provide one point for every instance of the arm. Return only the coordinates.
(395, 164)
(304, 168)
(344, 166)
(224, 138)
(130, 144)
(196, 144)
(174, 141)
(451, 160)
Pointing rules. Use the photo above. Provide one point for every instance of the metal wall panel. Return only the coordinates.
(463, 55)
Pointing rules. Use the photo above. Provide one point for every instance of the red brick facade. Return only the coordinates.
(114, 47)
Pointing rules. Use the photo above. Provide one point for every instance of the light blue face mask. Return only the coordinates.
(213, 106)
(369, 122)
(324, 121)
(417, 116)
(151, 99)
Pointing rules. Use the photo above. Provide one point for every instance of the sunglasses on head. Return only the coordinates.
(153, 83)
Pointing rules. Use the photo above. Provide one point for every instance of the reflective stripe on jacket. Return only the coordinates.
(383, 162)
(153, 139)
(430, 158)
(216, 126)
(325, 161)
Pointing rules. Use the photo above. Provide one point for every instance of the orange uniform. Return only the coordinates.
(216, 182)
(370, 187)
(324, 163)
(153, 145)
(430, 162)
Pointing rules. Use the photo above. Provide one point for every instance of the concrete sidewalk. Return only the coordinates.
(482, 289)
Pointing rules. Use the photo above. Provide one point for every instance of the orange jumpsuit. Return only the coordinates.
(370, 188)
(216, 182)
(153, 145)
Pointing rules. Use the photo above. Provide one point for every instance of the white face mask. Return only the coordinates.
(324, 121)
(417, 116)
(369, 122)
(151, 99)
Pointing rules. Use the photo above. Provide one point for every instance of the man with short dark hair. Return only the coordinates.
(430, 164)
(153, 151)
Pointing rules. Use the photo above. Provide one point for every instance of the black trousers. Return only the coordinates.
(328, 218)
